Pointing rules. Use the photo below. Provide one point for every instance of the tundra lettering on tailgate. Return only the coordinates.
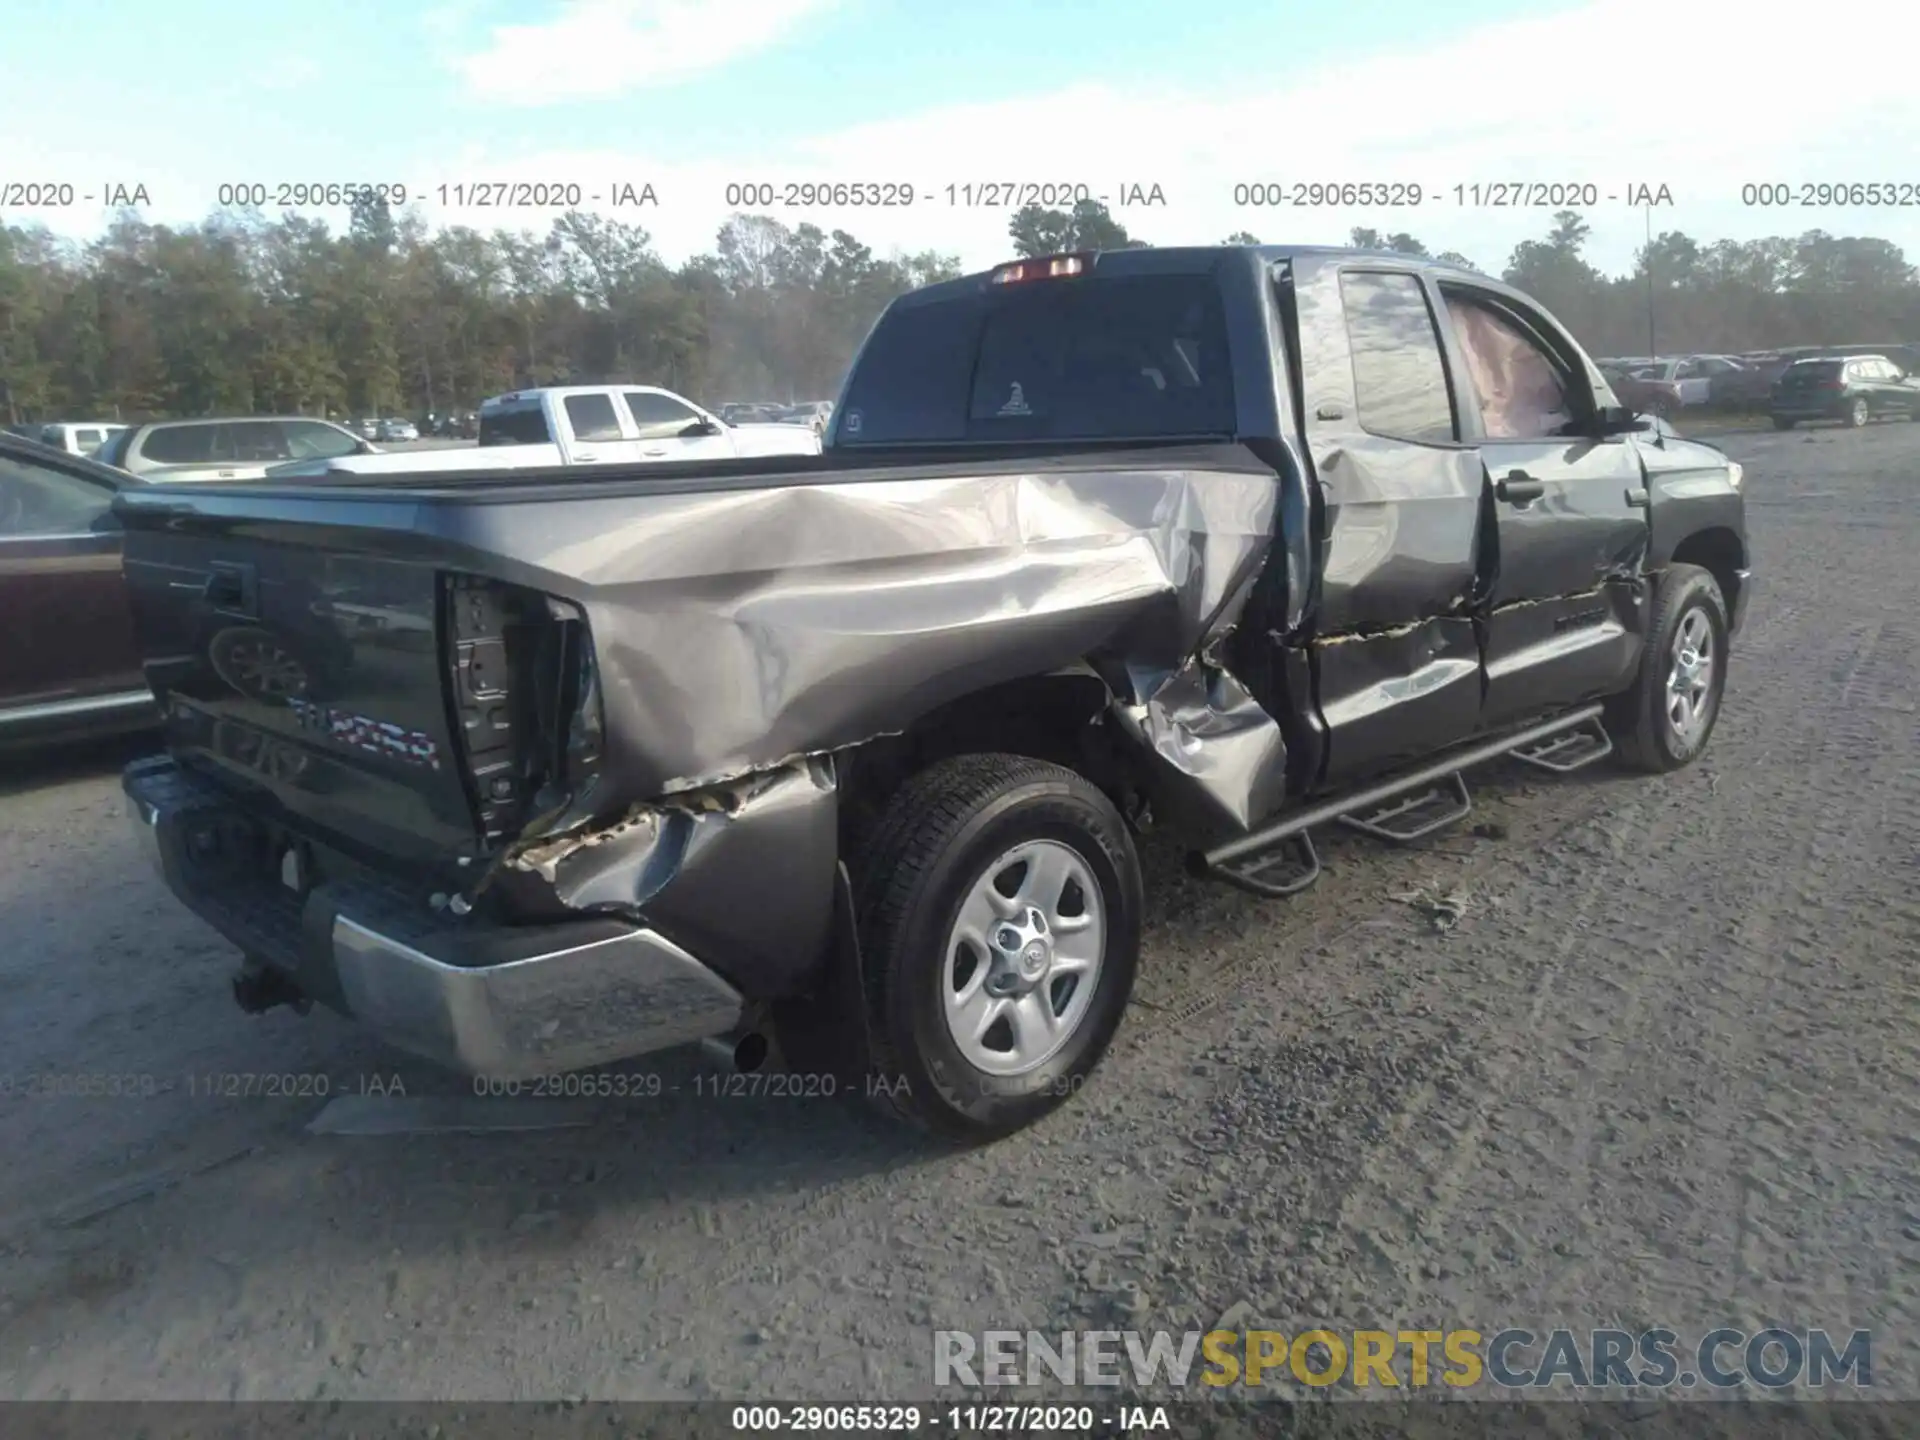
(363, 732)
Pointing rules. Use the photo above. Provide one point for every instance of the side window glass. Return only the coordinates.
(1522, 390)
(659, 417)
(523, 425)
(179, 445)
(311, 440)
(592, 417)
(1399, 377)
(257, 442)
(35, 500)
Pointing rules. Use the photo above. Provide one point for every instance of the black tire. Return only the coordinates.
(1781, 422)
(934, 843)
(1858, 414)
(1644, 735)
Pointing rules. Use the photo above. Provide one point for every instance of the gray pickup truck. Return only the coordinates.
(838, 760)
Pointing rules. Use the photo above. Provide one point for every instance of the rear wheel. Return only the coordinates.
(999, 904)
(1664, 722)
(1858, 414)
(1781, 422)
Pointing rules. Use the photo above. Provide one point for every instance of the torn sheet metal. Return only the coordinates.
(683, 860)
(1205, 730)
(736, 628)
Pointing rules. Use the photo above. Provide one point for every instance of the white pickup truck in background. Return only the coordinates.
(582, 425)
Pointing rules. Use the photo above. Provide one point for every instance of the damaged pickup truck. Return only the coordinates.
(840, 758)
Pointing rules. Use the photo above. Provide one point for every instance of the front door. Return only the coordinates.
(670, 429)
(1565, 613)
(1395, 655)
(70, 636)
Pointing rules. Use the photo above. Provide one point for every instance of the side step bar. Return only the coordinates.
(1568, 751)
(1279, 860)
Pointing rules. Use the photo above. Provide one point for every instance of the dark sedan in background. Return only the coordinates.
(1853, 389)
(68, 666)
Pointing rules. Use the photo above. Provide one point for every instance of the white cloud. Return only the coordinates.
(595, 48)
(1619, 93)
(1616, 94)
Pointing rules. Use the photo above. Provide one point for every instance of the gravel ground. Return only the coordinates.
(1663, 1071)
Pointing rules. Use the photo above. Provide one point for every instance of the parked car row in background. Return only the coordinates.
(812, 413)
(1730, 383)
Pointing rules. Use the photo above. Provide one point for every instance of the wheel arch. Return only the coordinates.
(1050, 716)
(1720, 551)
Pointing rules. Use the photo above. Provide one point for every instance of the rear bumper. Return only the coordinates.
(509, 1002)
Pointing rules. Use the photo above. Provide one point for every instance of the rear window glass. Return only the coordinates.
(1814, 370)
(1092, 359)
(522, 425)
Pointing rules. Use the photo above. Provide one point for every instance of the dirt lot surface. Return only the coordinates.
(1662, 1071)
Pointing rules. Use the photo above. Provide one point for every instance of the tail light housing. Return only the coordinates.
(525, 694)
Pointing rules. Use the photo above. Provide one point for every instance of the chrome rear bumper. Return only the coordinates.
(499, 1001)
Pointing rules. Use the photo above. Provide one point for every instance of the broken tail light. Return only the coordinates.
(526, 695)
(1041, 267)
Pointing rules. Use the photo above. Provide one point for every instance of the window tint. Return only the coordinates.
(659, 416)
(311, 440)
(1090, 359)
(524, 424)
(35, 500)
(592, 417)
(179, 445)
(1521, 390)
(1399, 379)
(253, 442)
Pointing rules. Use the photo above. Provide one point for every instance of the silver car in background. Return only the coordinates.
(241, 448)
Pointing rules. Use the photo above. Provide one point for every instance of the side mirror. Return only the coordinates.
(1618, 420)
(701, 427)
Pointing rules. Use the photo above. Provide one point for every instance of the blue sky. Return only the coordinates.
(689, 94)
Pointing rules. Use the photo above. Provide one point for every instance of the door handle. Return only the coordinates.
(653, 452)
(583, 459)
(1519, 488)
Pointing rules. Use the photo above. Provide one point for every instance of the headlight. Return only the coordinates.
(1735, 473)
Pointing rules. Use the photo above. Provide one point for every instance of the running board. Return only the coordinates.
(1569, 751)
(1279, 860)
(1401, 822)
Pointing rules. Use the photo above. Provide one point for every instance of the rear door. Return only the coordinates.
(594, 432)
(670, 429)
(1396, 656)
(1890, 396)
(1565, 612)
(69, 635)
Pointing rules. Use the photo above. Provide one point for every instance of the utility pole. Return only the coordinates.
(1653, 350)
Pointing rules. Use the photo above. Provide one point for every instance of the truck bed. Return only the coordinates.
(460, 655)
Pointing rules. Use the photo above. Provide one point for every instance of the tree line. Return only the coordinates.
(242, 314)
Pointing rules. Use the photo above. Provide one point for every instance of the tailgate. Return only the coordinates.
(365, 698)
